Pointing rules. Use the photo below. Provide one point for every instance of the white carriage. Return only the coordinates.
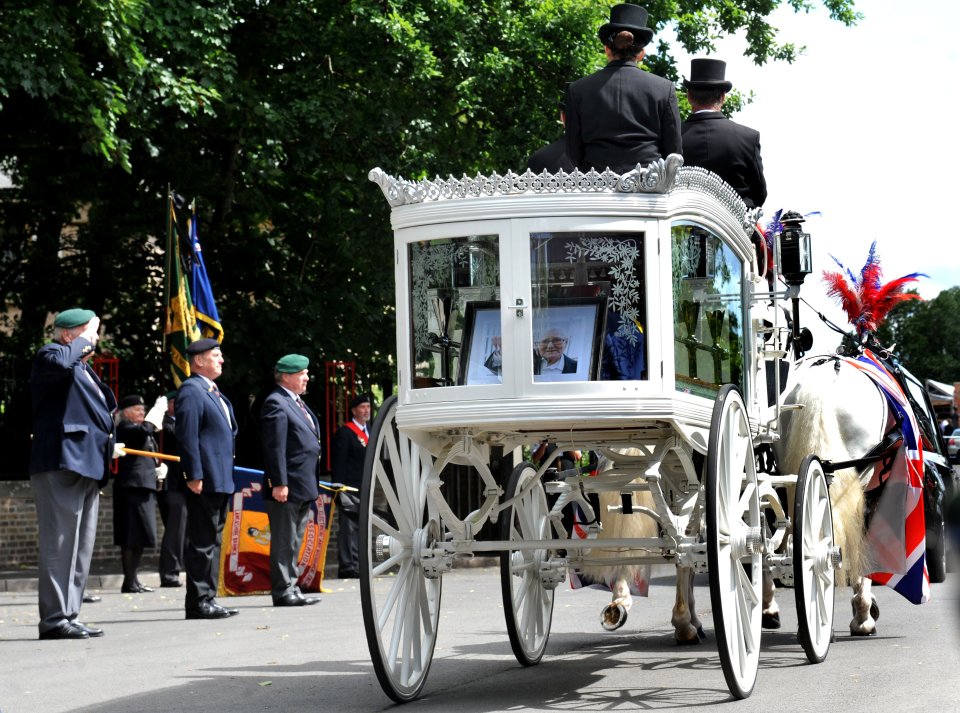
(649, 285)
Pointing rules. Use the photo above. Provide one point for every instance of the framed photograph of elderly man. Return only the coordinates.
(567, 339)
(481, 361)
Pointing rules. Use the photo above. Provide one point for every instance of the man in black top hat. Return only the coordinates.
(711, 140)
(622, 116)
(349, 451)
(206, 429)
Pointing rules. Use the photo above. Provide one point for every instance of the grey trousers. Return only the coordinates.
(288, 522)
(67, 507)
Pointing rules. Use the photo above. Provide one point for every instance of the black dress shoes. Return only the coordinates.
(171, 583)
(92, 631)
(136, 588)
(294, 600)
(230, 612)
(66, 630)
(90, 599)
(208, 611)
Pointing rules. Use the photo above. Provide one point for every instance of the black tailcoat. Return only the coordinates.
(621, 116)
(728, 149)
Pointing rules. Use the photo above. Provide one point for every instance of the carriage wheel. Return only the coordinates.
(814, 557)
(527, 600)
(399, 598)
(734, 541)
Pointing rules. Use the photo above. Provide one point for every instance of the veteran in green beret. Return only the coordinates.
(72, 446)
(290, 433)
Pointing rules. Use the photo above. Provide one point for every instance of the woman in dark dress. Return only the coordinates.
(135, 490)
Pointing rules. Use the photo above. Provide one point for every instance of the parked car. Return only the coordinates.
(953, 445)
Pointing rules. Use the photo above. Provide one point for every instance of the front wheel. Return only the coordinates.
(734, 542)
(399, 599)
(527, 599)
(814, 559)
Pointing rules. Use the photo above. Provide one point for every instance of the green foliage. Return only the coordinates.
(271, 114)
(927, 336)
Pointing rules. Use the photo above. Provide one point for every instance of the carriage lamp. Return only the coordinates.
(796, 257)
(796, 262)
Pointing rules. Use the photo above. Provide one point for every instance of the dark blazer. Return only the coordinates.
(730, 150)
(552, 157)
(174, 482)
(291, 449)
(205, 439)
(569, 365)
(621, 116)
(348, 455)
(137, 471)
(72, 413)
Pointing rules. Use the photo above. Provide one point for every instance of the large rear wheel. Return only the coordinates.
(399, 598)
(734, 542)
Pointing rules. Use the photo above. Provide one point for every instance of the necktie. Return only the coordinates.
(226, 411)
(306, 414)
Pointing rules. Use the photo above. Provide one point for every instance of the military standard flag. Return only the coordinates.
(204, 305)
(180, 327)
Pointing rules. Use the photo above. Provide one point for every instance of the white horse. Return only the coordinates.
(843, 416)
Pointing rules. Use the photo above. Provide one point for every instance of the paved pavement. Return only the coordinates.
(316, 658)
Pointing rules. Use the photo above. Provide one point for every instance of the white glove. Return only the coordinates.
(118, 451)
(155, 414)
(162, 472)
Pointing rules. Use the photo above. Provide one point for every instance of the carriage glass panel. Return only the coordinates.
(708, 311)
(589, 306)
(455, 300)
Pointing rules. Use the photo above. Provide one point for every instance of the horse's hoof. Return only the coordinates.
(770, 621)
(613, 617)
(874, 608)
(688, 642)
(872, 632)
(701, 634)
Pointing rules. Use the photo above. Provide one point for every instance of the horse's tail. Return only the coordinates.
(616, 525)
(814, 429)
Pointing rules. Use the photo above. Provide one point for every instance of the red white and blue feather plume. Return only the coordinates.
(865, 299)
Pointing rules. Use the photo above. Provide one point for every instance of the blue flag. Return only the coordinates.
(204, 306)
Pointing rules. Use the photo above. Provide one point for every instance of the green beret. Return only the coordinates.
(70, 318)
(292, 364)
(171, 394)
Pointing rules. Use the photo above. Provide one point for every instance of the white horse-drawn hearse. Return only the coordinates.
(626, 316)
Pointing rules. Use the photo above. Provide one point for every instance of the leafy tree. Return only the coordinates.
(928, 337)
(271, 114)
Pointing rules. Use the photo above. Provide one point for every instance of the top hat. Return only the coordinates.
(707, 74)
(627, 17)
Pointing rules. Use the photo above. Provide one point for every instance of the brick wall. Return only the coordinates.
(18, 527)
(18, 530)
